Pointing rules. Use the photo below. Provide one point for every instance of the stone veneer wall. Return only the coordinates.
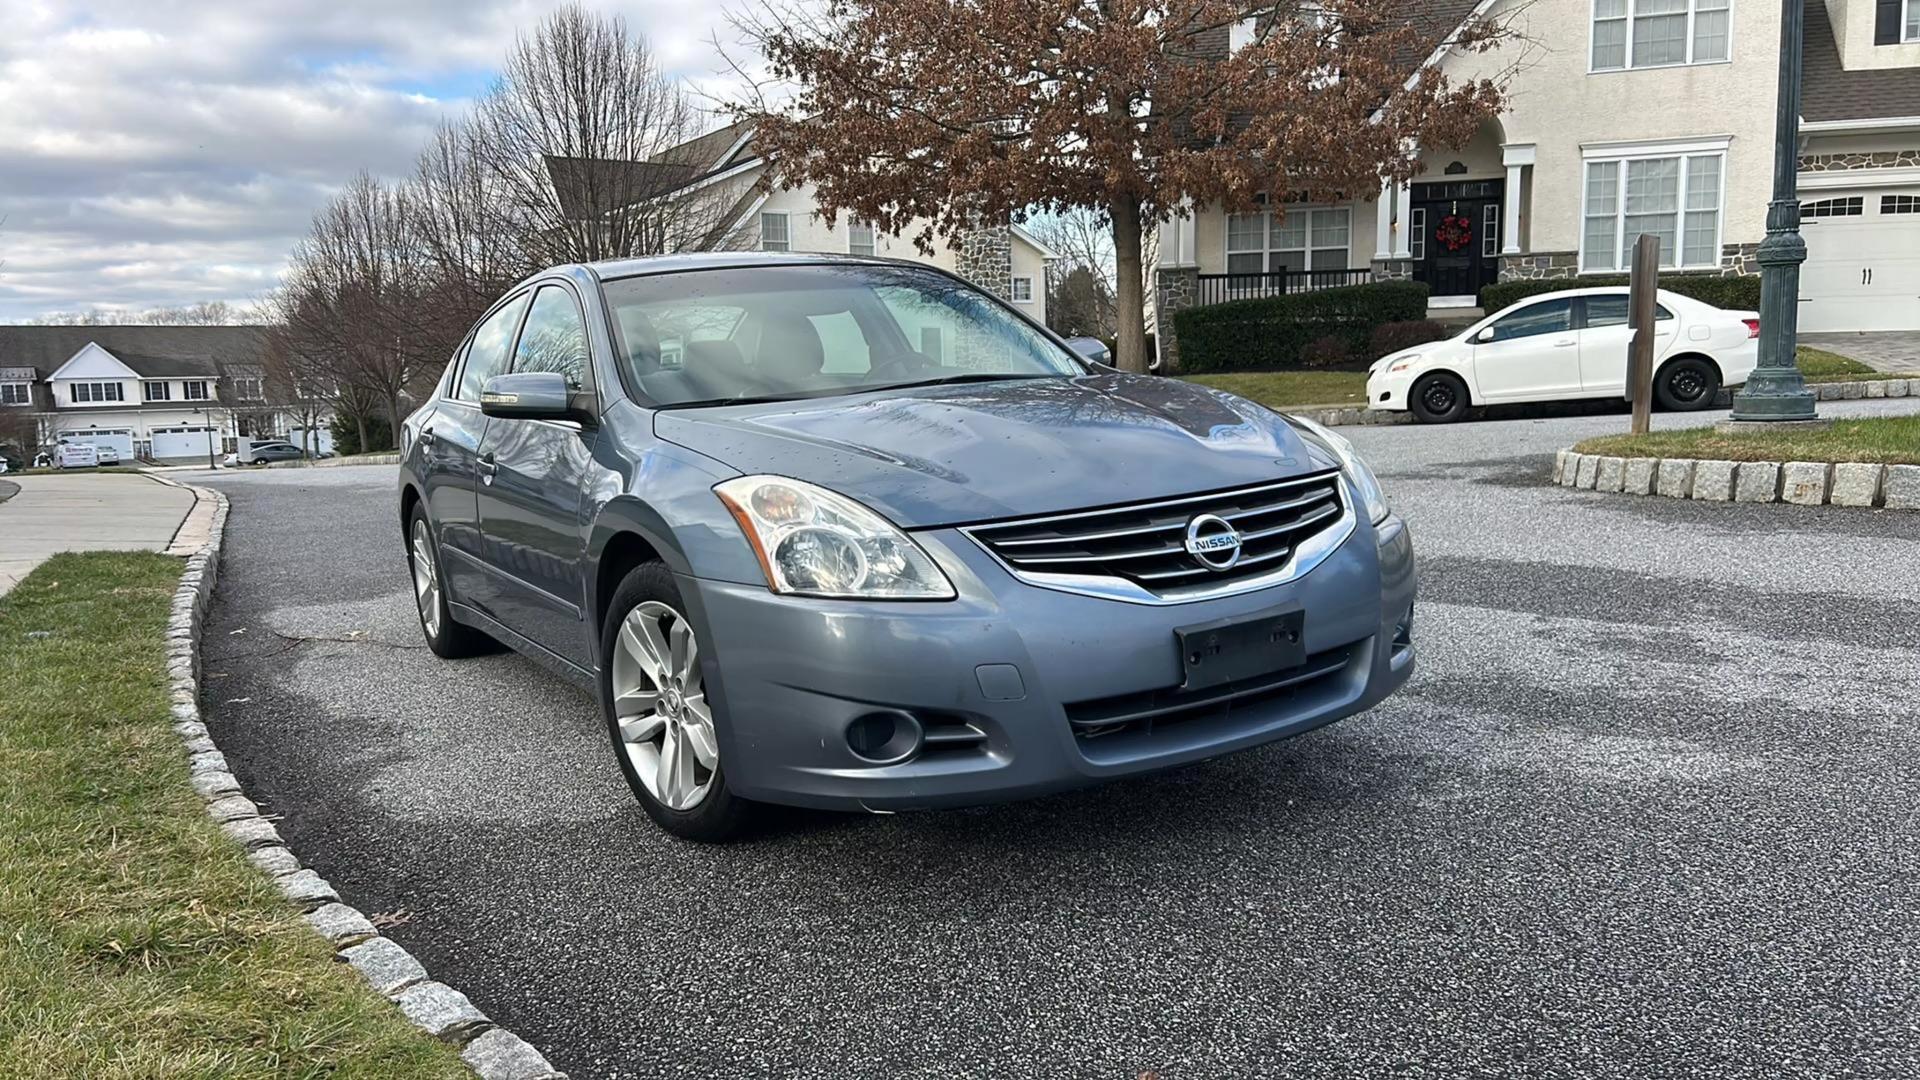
(1878, 159)
(985, 258)
(1736, 260)
(1174, 289)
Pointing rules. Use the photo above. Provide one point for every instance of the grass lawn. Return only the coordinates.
(1887, 440)
(135, 939)
(1819, 365)
(1291, 389)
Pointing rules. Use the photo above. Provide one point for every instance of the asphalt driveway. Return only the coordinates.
(1648, 809)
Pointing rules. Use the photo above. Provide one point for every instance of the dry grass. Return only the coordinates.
(1886, 440)
(135, 939)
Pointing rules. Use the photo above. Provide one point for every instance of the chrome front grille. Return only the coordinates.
(1140, 552)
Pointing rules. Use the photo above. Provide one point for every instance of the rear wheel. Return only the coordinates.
(662, 723)
(1440, 398)
(448, 639)
(1687, 384)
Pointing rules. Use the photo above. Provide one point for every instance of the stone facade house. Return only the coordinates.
(1625, 116)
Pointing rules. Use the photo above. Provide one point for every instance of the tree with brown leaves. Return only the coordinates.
(938, 114)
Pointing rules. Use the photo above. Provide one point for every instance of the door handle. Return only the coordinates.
(427, 437)
(1564, 344)
(488, 468)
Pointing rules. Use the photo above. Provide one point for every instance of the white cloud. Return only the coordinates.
(162, 154)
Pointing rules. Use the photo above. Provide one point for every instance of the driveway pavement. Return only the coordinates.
(1882, 351)
(1647, 810)
(85, 512)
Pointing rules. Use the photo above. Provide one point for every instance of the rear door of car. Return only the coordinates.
(1529, 353)
(450, 441)
(1605, 339)
(533, 476)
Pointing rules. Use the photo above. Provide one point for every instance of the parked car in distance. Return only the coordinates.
(262, 452)
(78, 456)
(107, 455)
(800, 561)
(1569, 345)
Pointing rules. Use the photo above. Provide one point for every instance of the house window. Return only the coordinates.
(1301, 239)
(1417, 234)
(157, 391)
(859, 238)
(1828, 208)
(1023, 290)
(195, 390)
(1900, 204)
(1911, 31)
(98, 391)
(773, 231)
(245, 389)
(930, 343)
(1490, 231)
(1674, 198)
(1660, 33)
(16, 393)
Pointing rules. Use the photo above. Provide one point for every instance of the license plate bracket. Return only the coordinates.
(1228, 650)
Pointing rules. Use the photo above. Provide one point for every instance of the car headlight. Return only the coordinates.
(1364, 483)
(813, 542)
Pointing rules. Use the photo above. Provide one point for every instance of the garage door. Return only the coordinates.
(119, 439)
(1863, 261)
(173, 443)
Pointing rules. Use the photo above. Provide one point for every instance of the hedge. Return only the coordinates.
(1272, 332)
(1732, 293)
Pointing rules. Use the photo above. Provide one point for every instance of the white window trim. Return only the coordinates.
(1618, 154)
(26, 391)
(1627, 64)
(1266, 238)
(873, 238)
(784, 216)
(1910, 23)
(147, 389)
(1013, 288)
(186, 392)
(73, 392)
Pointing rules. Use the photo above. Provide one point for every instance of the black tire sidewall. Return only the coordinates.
(721, 815)
(1416, 399)
(1663, 391)
(455, 640)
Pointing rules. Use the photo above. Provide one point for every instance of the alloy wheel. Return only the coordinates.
(660, 705)
(426, 578)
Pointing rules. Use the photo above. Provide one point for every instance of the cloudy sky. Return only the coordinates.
(163, 152)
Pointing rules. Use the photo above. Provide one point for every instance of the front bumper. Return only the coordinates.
(1387, 393)
(1003, 673)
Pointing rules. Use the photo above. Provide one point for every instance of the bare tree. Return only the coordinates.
(203, 313)
(1081, 297)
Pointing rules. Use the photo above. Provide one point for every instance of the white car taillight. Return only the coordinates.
(1753, 327)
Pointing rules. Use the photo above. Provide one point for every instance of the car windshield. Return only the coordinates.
(710, 337)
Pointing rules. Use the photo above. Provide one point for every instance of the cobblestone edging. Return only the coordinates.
(1803, 483)
(1352, 417)
(335, 462)
(1871, 388)
(493, 1053)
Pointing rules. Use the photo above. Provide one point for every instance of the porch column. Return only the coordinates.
(1403, 212)
(1516, 157)
(1383, 229)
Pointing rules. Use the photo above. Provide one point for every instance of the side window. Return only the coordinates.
(487, 354)
(1603, 311)
(1546, 317)
(554, 338)
(842, 343)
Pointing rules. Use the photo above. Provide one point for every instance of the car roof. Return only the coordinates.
(612, 269)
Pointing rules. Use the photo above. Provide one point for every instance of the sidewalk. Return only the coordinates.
(87, 512)
(1892, 351)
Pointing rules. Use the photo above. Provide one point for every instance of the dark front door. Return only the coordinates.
(1455, 235)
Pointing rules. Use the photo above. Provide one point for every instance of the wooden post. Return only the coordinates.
(1641, 305)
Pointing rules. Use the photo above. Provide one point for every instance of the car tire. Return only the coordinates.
(1440, 398)
(647, 605)
(448, 639)
(1688, 384)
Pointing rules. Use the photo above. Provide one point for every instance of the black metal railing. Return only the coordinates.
(1220, 288)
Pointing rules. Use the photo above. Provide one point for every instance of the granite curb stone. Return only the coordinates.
(1800, 483)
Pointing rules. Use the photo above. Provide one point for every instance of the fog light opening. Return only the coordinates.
(1403, 632)
(885, 738)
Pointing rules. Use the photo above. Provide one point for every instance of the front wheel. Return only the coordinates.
(1687, 384)
(662, 723)
(1440, 398)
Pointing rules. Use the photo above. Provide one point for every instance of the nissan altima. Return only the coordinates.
(852, 534)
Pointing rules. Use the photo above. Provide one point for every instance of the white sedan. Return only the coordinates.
(1567, 345)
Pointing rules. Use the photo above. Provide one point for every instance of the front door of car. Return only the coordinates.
(450, 444)
(533, 479)
(1529, 353)
(1605, 340)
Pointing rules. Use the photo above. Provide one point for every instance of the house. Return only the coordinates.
(724, 171)
(1624, 117)
(171, 394)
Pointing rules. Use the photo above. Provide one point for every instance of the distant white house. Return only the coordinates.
(160, 393)
(723, 166)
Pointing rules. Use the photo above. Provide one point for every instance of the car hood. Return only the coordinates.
(947, 455)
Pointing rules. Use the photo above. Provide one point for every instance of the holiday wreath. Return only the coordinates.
(1455, 232)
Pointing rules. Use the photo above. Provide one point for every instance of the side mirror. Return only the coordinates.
(532, 395)
(1483, 336)
(1091, 348)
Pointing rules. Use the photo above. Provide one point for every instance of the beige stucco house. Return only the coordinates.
(1625, 116)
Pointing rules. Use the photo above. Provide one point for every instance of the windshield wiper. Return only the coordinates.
(972, 376)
